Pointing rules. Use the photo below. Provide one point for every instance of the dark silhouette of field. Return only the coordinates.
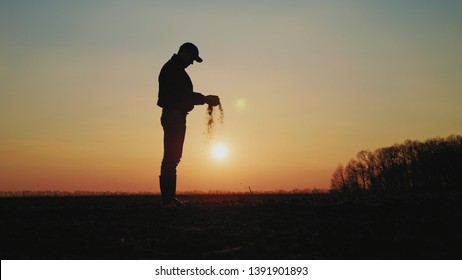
(302, 226)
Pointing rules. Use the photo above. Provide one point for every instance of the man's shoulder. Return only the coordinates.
(168, 65)
(171, 66)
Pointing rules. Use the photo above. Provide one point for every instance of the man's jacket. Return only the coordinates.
(175, 87)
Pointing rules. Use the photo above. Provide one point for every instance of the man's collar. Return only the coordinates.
(177, 60)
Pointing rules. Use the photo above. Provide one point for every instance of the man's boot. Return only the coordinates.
(168, 190)
(177, 202)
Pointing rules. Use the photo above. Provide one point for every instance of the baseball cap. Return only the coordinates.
(190, 47)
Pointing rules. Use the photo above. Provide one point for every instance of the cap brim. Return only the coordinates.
(198, 59)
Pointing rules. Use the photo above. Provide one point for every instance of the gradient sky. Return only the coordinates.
(305, 85)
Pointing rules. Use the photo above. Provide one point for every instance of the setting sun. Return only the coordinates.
(219, 151)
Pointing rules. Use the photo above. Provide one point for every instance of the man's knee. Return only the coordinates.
(168, 166)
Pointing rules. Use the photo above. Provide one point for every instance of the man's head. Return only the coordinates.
(188, 52)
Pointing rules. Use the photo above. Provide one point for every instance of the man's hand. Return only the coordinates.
(212, 100)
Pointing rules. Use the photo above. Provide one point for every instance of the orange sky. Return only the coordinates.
(305, 85)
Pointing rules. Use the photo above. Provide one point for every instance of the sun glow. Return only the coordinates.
(219, 151)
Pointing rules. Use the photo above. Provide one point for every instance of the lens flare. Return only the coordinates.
(240, 104)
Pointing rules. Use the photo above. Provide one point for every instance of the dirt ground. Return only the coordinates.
(302, 226)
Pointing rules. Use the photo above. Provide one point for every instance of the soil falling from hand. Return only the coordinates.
(212, 119)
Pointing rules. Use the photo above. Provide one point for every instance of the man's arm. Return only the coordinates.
(198, 98)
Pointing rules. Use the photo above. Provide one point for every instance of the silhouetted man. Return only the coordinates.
(177, 98)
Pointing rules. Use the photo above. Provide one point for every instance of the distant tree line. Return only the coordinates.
(434, 165)
(27, 193)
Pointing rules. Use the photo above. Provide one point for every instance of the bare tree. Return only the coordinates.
(338, 181)
(434, 165)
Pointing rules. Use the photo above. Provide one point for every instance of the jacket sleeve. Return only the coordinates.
(198, 98)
